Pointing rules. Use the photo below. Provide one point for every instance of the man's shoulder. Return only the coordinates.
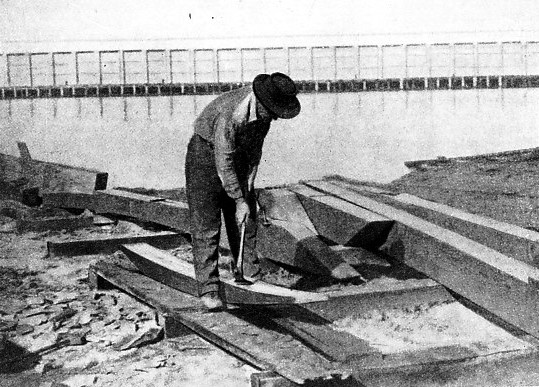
(234, 96)
(227, 103)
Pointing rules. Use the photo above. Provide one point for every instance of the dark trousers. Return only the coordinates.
(207, 198)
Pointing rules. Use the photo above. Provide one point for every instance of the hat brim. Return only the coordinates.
(282, 109)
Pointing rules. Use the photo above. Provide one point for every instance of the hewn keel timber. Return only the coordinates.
(180, 275)
(493, 281)
(342, 222)
(287, 235)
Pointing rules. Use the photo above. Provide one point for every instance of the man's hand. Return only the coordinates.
(242, 211)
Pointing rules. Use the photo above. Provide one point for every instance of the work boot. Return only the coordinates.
(212, 302)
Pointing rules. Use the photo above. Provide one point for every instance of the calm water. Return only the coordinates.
(141, 141)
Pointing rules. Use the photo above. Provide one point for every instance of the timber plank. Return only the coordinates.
(265, 347)
(170, 213)
(181, 275)
(343, 222)
(165, 239)
(288, 236)
(509, 239)
(498, 283)
(514, 241)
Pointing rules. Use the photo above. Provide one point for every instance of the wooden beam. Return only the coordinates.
(342, 222)
(493, 281)
(290, 237)
(162, 211)
(264, 347)
(514, 241)
(180, 275)
(53, 176)
(169, 213)
(165, 239)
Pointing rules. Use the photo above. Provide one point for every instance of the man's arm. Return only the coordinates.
(224, 157)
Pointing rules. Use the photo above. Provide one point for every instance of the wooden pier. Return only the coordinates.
(330, 86)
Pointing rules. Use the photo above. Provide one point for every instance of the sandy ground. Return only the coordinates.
(44, 300)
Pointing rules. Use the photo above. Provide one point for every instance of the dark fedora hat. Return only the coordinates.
(277, 92)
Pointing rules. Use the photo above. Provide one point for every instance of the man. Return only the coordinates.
(220, 169)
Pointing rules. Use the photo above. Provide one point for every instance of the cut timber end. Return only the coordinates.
(343, 222)
(180, 275)
(282, 204)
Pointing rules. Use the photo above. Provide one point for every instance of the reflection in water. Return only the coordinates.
(141, 141)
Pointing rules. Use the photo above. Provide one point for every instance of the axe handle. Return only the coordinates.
(239, 264)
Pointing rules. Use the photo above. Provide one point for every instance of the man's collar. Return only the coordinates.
(246, 110)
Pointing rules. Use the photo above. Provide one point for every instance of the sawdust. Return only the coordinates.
(425, 327)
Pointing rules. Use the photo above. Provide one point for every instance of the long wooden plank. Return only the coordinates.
(510, 239)
(265, 347)
(180, 275)
(514, 241)
(498, 283)
(342, 222)
(164, 239)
